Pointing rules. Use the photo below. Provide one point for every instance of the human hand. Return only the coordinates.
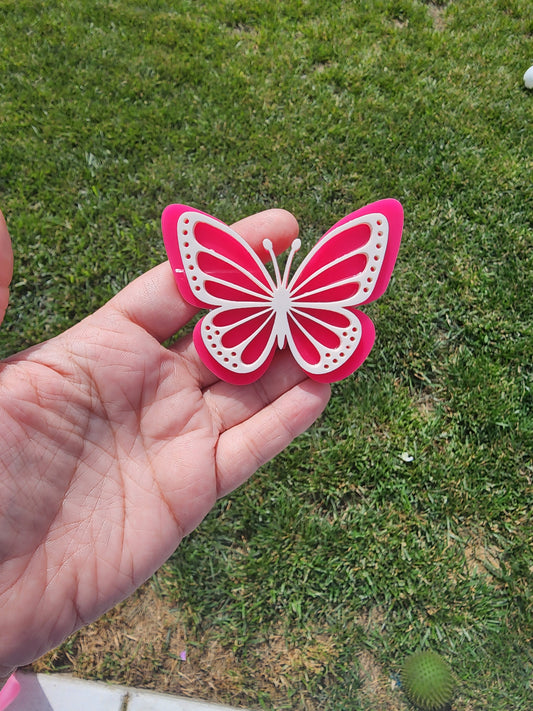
(114, 447)
(6, 266)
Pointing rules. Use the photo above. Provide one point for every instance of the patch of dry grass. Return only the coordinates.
(143, 643)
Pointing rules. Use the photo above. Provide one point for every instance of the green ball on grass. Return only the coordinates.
(427, 680)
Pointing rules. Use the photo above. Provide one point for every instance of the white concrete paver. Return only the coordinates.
(62, 692)
(146, 701)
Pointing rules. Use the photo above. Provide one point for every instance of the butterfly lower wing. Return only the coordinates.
(327, 345)
(237, 343)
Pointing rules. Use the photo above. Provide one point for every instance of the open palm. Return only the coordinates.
(113, 447)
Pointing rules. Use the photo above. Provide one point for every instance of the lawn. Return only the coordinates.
(402, 519)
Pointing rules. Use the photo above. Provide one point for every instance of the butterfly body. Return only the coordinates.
(313, 313)
(281, 305)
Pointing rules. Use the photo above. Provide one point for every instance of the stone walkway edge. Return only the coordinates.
(62, 692)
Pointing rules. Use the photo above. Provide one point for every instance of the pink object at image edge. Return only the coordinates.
(313, 312)
(9, 692)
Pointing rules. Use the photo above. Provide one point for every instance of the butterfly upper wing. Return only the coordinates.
(215, 268)
(212, 264)
(351, 265)
(353, 262)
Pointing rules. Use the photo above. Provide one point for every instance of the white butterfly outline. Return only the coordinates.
(282, 300)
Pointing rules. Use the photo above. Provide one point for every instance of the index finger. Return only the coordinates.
(153, 300)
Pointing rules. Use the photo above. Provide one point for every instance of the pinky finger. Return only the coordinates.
(247, 446)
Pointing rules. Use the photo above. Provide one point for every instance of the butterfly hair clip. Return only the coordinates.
(314, 313)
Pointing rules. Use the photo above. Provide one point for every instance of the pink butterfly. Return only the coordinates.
(313, 312)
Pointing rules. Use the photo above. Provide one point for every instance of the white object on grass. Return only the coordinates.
(528, 78)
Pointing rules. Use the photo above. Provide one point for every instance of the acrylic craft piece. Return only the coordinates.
(313, 312)
(9, 692)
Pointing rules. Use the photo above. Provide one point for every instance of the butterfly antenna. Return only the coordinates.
(295, 246)
(267, 244)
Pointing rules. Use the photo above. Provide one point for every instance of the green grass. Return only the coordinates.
(111, 110)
